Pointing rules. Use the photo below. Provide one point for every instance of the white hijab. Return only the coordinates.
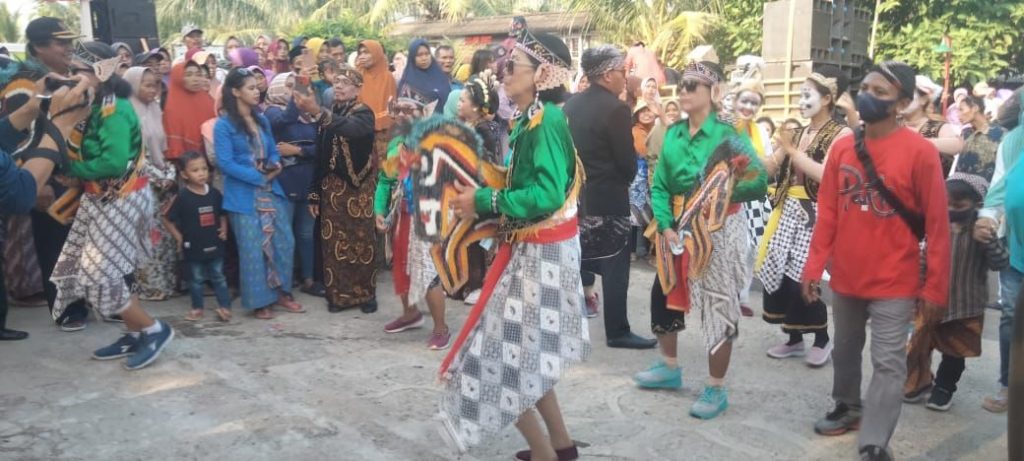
(150, 119)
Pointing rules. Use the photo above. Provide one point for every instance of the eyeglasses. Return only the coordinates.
(690, 85)
(511, 64)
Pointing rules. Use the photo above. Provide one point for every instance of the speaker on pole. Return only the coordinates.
(129, 21)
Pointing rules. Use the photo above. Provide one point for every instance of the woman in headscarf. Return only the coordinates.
(243, 57)
(254, 199)
(378, 89)
(424, 78)
(188, 105)
(341, 194)
(157, 276)
(317, 49)
(296, 134)
(639, 191)
(277, 54)
(487, 391)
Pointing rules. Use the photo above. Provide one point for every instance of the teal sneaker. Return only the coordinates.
(659, 376)
(712, 402)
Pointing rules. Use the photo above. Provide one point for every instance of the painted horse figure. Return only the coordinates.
(440, 153)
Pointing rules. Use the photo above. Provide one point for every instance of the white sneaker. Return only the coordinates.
(472, 297)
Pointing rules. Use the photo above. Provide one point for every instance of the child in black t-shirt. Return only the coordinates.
(198, 223)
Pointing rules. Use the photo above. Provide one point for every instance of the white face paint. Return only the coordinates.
(747, 104)
(810, 100)
(727, 102)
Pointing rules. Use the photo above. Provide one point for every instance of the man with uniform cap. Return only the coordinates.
(50, 44)
(882, 192)
(601, 128)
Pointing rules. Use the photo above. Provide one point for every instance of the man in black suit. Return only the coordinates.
(601, 128)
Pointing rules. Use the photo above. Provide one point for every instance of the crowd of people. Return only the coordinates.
(301, 165)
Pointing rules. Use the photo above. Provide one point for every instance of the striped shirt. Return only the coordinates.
(970, 262)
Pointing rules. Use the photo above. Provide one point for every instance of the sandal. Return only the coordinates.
(223, 314)
(291, 306)
(195, 315)
(264, 313)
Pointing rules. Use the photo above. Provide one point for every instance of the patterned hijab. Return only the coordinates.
(432, 83)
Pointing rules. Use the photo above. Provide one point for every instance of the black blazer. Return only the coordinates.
(602, 129)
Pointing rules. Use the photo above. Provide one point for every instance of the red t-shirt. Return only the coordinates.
(872, 251)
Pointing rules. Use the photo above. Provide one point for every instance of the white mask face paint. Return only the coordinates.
(747, 104)
(810, 100)
(727, 102)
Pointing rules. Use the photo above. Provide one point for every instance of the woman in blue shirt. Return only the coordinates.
(257, 208)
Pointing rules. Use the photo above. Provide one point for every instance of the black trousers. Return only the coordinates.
(50, 236)
(3, 299)
(950, 370)
(614, 273)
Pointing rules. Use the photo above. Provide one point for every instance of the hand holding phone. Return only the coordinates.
(302, 84)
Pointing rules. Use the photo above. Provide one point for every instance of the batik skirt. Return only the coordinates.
(639, 196)
(956, 338)
(349, 242)
(21, 267)
(531, 331)
(716, 294)
(157, 276)
(266, 250)
(782, 269)
(107, 240)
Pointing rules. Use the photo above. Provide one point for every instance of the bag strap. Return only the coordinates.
(913, 220)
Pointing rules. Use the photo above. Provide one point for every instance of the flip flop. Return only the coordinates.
(223, 314)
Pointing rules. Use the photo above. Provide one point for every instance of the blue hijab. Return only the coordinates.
(430, 84)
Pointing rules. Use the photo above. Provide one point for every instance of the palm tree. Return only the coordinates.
(670, 28)
(9, 30)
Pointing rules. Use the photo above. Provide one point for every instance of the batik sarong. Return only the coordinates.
(21, 267)
(157, 276)
(266, 248)
(420, 267)
(531, 331)
(349, 241)
(107, 240)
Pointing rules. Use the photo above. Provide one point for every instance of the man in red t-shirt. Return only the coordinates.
(882, 192)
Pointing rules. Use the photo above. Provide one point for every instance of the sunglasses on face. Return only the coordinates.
(690, 85)
(511, 64)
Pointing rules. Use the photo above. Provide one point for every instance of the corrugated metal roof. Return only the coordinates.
(493, 25)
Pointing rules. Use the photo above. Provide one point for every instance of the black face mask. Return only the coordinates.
(961, 216)
(872, 109)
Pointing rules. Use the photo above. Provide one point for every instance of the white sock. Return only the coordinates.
(153, 329)
(716, 382)
(671, 362)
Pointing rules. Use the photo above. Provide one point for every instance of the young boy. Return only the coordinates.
(198, 223)
(958, 335)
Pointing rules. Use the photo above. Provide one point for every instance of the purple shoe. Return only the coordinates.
(818, 356)
(785, 350)
(439, 341)
(398, 325)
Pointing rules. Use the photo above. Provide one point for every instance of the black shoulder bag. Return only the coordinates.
(914, 220)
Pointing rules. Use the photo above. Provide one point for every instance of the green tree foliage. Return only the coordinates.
(67, 12)
(986, 36)
(738, 29)
(9, 30)
(671, 28)
(351, 30)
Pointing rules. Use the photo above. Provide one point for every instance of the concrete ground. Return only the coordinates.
(322, 386)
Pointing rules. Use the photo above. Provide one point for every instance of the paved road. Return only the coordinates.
(322, 386)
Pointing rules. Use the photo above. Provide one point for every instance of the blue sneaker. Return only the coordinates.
(149, 348)
(712, 402)
(123, 347)
(659, 376)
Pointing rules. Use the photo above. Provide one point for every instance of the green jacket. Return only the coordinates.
(110, 145)
(683, 160)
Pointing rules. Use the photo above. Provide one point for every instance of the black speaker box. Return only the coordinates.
(129, 21)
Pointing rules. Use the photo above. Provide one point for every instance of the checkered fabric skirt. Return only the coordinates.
(531, 332)
(105, 245)
(421, 269)
(788, 247)
(757, 212)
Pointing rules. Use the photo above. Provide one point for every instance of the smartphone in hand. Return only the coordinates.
(302, 84)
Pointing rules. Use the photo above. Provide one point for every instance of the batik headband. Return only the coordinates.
(600, 60)
(349, 72)
(103, 68)
(978, 183)
(560, 71)
(898, 74)
(830, 83)
(701, 72)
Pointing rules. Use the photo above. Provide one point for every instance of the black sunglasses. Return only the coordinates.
(510, 66)
(690, 85)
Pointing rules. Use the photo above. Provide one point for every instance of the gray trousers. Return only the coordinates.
(890, 319)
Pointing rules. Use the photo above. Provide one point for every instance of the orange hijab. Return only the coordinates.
(378, 85)
(184, 115)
